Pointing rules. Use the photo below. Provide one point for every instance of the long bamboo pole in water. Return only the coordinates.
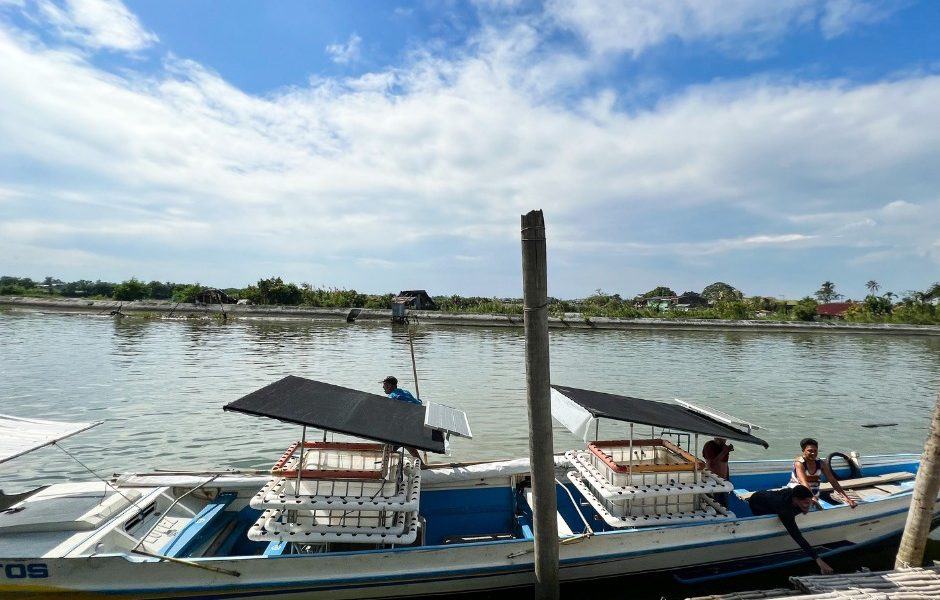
(538, 399)
(920, 515)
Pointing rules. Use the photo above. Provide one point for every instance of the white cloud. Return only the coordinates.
(680, 248)
(839, 16)
(182, 164)
(900, 208)
(98, 24)
(747, 26)
(346, 53)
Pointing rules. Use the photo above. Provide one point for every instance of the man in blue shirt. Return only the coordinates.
(390, 385)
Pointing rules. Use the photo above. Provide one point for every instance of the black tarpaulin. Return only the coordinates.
(657, 414)
(334, 408)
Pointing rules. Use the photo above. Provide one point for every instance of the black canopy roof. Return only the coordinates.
(658, 414)
(334, 408)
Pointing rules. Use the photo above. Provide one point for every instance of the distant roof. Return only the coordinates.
(343, 410)
(833, 309)
(648, 412)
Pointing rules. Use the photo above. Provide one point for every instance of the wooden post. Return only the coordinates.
(538, 398)
(924, 500)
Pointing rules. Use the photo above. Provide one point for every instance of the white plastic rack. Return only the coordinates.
(397, 495)
(351, 493)
(646, 483)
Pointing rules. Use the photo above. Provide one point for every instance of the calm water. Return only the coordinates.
(160, 385)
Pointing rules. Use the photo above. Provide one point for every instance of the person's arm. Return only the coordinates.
(824, 568)
(789, 522)
(834, 482)
(800, 469)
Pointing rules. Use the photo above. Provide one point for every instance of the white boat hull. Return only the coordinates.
(443, 569)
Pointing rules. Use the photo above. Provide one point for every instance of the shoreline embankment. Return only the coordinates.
(169, 309)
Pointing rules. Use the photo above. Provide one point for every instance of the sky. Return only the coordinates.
(382, 146)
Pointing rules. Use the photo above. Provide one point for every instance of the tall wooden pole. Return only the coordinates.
(538, 398)
(914, 539)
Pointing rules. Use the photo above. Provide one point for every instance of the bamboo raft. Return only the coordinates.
(899, 584)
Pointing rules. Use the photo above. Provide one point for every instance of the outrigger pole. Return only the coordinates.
(538, 398)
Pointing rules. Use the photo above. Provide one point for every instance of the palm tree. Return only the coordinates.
(827, 292)
(933, 291)
(873, 287)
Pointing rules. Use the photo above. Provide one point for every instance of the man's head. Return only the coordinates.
(389, 383)
(720, 441)
(802, 498)
(810, 447)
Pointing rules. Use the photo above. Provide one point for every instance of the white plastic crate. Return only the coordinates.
(644, 462)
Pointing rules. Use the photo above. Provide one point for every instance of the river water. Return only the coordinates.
(159, 385)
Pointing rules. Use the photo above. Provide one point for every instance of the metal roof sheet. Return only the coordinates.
(649, 412)
(343, 410)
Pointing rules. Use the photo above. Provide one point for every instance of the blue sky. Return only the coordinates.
(384, 146)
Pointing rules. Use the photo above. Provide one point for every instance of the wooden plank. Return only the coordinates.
(869, 481)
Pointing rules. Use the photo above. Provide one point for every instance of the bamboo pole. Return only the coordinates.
(538, 399)
(414, 365)
(923, 502)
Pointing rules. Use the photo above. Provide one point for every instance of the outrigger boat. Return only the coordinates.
(364, 518)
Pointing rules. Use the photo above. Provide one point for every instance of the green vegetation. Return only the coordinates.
(719, 291)
(805, 309)
(715, 302)
(827, 292)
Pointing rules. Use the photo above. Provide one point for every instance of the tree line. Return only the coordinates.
(718, 300)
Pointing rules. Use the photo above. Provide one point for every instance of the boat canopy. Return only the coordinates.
(19, 435)
(578, 409)
(343, 410)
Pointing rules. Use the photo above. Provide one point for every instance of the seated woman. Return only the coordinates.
(808, 468)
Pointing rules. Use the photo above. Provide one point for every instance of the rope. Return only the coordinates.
(136, 548)
(95, 475)
(587, 528)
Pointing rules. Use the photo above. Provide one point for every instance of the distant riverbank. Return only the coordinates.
(168, 309)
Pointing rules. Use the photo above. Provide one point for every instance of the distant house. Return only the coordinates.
(690, 300)
(416, 299)
(833, 310)
(214, 296)
(660, 303)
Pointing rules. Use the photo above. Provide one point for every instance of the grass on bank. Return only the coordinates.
(274, 291)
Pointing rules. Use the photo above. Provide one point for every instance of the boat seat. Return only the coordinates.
(563, 529)
(206, 524)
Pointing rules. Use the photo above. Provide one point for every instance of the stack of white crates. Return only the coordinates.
(646, 482)
(354, 493)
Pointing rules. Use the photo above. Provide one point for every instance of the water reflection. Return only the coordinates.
(160, 385)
